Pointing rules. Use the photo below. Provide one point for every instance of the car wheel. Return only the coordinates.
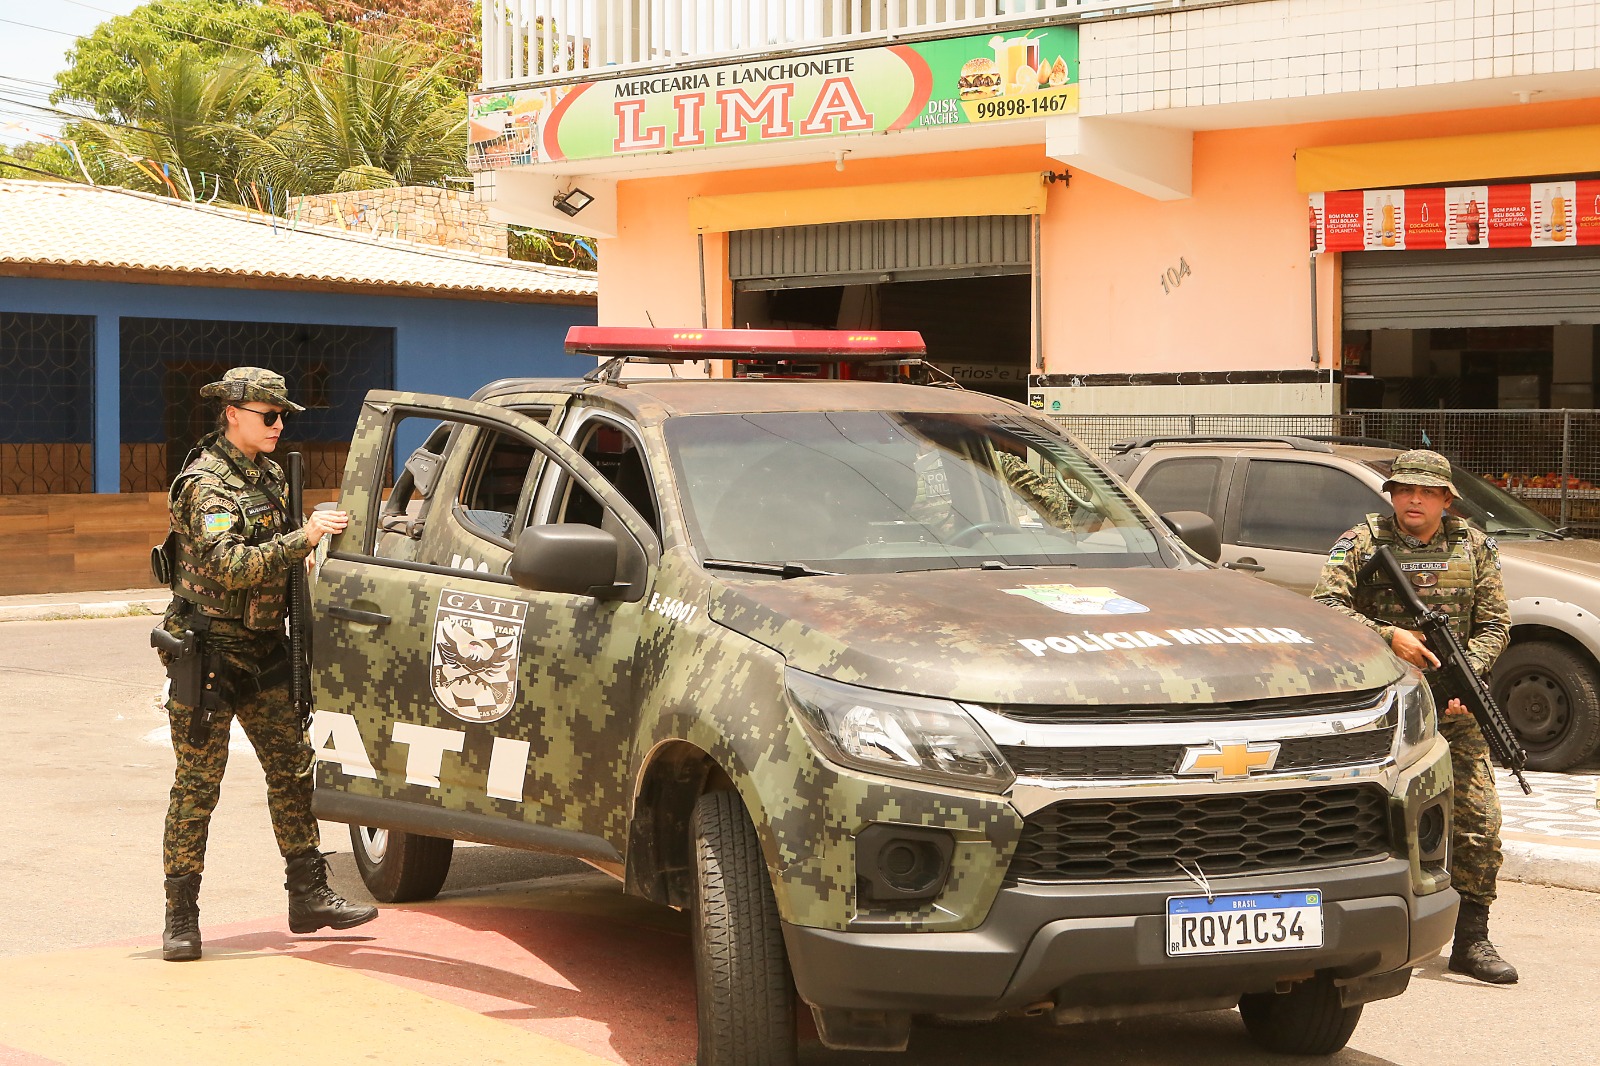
(400, 867)
(1550, 694)
(742, 982)
(1306, 1020)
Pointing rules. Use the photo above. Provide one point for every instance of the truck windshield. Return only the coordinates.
(1488, 506)
(873, 492)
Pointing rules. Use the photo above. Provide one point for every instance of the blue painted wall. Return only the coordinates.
(443, 346)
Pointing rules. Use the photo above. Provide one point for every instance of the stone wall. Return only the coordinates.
(421, 214)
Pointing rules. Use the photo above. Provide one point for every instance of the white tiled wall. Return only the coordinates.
(1287, 49)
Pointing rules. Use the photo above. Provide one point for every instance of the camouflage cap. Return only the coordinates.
(1420, 467)
(245, 383)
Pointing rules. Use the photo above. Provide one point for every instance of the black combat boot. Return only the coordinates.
(1472, 954)
(312, 904)
(180, 936)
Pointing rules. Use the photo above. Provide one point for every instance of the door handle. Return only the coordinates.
(366, 618)
(1245, 563)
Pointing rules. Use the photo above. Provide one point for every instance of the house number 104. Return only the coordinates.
(1174, 276)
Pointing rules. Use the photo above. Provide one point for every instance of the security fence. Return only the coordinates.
(1549, 459)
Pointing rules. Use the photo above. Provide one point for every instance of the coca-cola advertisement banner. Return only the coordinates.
(1547, 214)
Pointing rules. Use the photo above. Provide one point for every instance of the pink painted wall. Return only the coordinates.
(1245, 305)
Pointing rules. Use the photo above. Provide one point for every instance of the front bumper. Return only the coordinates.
(1104, 946)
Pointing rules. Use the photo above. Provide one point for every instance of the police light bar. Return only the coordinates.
(835, 345)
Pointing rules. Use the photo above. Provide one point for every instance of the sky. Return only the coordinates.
(33, 53)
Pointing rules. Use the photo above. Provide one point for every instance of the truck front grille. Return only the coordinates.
(1235, 833)
(1162, 760)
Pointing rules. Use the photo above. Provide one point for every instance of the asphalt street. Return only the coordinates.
(522, 958)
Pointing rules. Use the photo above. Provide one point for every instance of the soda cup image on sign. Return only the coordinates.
(1010, 56)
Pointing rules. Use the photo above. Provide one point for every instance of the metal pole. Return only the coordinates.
(704, 322)
(1566, 463)
(1038, 299)
(1316, 356)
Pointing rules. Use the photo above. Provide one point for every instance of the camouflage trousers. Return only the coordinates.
(1475, 830)
(273, 726)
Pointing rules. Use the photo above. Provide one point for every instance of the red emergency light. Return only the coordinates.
(768, 344)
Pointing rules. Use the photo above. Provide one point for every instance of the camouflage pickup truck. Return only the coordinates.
(911, 705)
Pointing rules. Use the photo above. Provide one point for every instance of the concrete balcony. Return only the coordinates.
(539, 42)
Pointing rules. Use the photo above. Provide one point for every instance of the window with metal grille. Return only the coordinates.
(46, 403)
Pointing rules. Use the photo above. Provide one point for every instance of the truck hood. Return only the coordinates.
(1576, 556)
(1057, 636)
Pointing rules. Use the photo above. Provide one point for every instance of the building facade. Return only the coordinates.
(115, 308)
(1285, 206)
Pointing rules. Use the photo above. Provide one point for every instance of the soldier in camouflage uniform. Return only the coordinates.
(233, 543)
(1456, 568)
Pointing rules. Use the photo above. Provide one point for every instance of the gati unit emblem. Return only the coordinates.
(476, 641)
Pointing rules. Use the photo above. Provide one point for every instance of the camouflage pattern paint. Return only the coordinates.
(697, 658)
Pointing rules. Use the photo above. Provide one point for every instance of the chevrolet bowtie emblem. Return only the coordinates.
(1225, 760)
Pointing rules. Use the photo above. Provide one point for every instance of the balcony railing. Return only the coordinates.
(531, 41)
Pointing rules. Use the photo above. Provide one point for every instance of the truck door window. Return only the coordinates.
(617, 456)
(491, 496)
(1300, 506)
(1185, 485)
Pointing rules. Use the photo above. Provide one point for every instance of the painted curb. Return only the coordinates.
(1551, 864)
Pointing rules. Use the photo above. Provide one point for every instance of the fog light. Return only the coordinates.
(898, 863)
(1431, 831)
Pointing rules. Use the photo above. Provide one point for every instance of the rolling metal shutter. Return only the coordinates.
(1510, 287)
(861, 253)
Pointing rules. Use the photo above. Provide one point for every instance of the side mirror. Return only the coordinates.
(575, 559)
(1197, 530)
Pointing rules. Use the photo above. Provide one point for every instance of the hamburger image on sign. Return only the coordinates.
(980, 78)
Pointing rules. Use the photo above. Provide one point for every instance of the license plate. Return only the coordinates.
(1251, 921)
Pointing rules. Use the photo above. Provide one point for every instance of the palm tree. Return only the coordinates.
(365, 118)
(182, 138)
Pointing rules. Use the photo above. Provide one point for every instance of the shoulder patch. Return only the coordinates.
(217, 522)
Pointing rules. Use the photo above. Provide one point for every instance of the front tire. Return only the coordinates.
(743, 986)
(1306, 1020)
(400, 867)
(1552, 698)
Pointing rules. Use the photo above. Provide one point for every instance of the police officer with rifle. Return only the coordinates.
(233, 553)
(1429, 584)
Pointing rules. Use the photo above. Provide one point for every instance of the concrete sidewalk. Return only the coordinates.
(1549, 838)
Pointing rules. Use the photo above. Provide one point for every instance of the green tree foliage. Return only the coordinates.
(364, 118)
(186, 122)
(104, 68)
(41, 161)
(557, 249)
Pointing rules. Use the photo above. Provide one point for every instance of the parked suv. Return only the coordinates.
(901, 695)
(1280, 503)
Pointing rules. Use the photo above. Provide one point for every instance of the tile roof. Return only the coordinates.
(67, 227)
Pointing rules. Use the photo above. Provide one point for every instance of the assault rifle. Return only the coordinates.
(1456, 675)
(299, 602)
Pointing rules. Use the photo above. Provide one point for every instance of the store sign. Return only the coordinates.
(1549, 214)
(931, 84)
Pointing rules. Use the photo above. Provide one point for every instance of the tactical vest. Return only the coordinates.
(1443, 580)
(195, 579)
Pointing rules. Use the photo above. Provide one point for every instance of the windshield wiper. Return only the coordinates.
(1560, 532)
(996, 564)
(784, 570)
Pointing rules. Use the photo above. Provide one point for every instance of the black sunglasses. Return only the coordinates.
(268, 418)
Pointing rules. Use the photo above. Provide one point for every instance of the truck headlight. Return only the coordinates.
(1419, 721)
(896, 735)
